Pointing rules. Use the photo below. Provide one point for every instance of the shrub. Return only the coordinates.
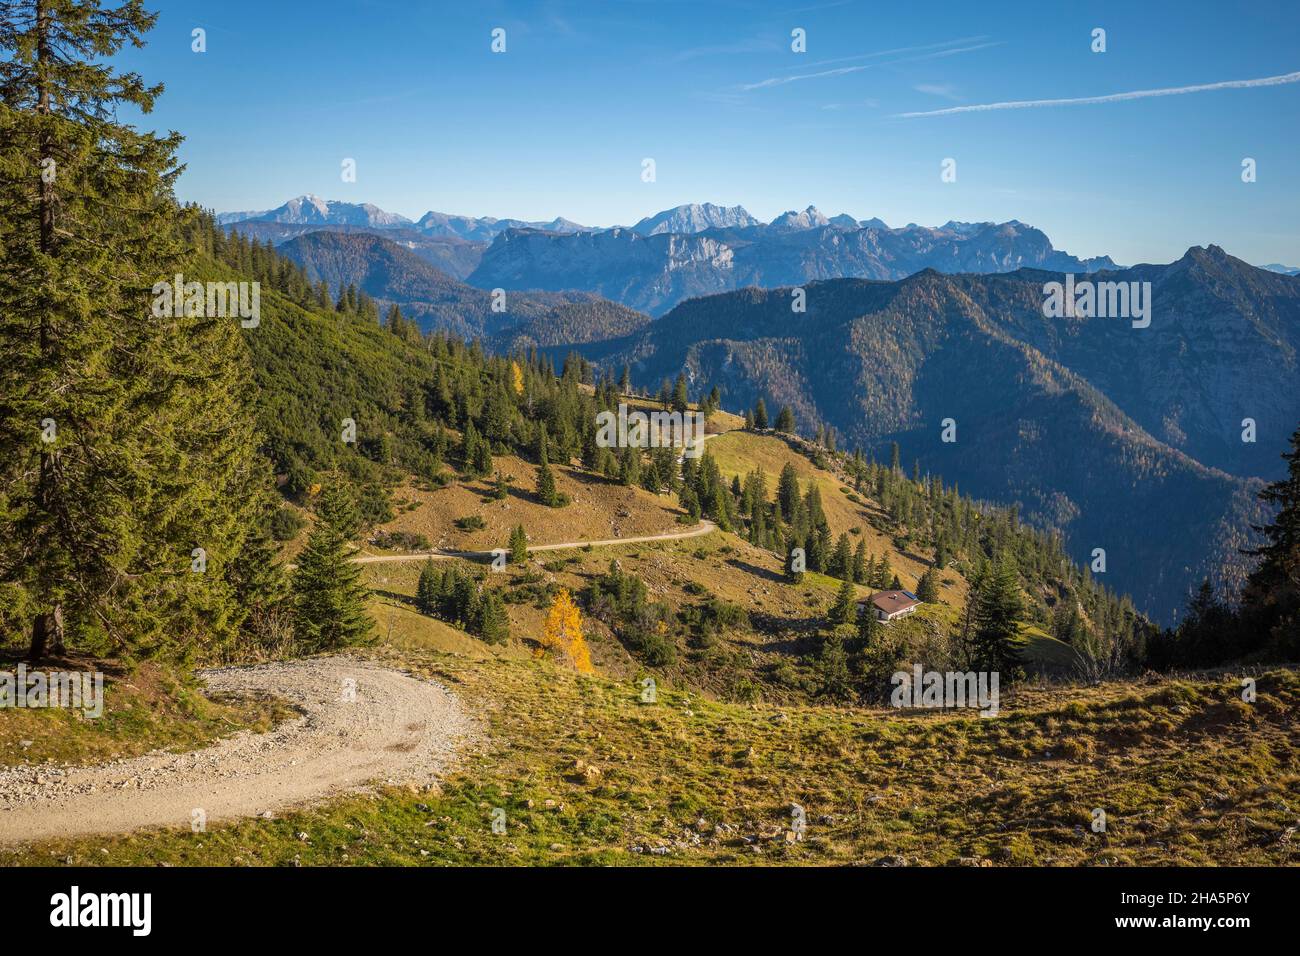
(720, 615)
(285, 524)
(401, 541)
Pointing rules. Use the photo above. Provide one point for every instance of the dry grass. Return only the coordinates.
(738, 453)
(1187, 773)
(599, 509)
(147, 708)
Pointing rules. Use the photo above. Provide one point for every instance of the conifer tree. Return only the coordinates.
(491, 623)
(546, 490)
(1272, 593)
(787, 491)
(860, 562)
(927, 588)
(996, 620)
(760, 415)
(629, 465)
(785, 420)
(870, 627)
(720, 510)
(469, 450)
(690, 503)
(518, 545)
(795, 563)
(257, 577)
(128, 464)
(882, 578)
(833, 675)
(338, 507)
(427, 588)
(843, 611)
(842, 559)
(483, 458)
(650, 479)
(680, 397)
(330, 600)
(819, 548)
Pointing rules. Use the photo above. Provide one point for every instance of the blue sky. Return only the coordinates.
(560, 123)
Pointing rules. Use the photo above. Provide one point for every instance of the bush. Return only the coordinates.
(471, 523)
(744, 691)
(656, 646)
(373, 504)
(286, 523)
(720, 615)
(401, 541)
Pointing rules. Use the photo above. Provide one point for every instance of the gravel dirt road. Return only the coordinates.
(361, 723)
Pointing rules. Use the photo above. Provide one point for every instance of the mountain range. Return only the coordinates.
(655, 272)
(394, 275)
(690, 250)
(1120, 438)
(309, 210)
(1124, 439)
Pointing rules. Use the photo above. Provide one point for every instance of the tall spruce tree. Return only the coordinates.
(841, 564)
(491, 622)
(680, 397)
(870, 627)
(860, 562)
(518, 545)
(844, 610)
(329, 598)
(927, 588)
(1272, 594)
(129, 470)
(427, 589)
(997, 620)
(546, 490)
(785, 420)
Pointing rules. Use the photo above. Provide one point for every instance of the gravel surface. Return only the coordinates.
(704, 527)
(393, 729)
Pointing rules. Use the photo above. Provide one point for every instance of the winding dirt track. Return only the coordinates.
(394, 728)
(398, 729)
(704, 527)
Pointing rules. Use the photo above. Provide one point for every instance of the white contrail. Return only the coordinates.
(1112, 97)
(782, 80)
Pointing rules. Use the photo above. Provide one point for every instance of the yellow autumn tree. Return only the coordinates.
(563, 632)
(517, 377)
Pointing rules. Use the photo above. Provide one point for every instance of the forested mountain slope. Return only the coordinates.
(882, 362)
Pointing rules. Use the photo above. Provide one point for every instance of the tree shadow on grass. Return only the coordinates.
(764, 573)
(11, 655)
